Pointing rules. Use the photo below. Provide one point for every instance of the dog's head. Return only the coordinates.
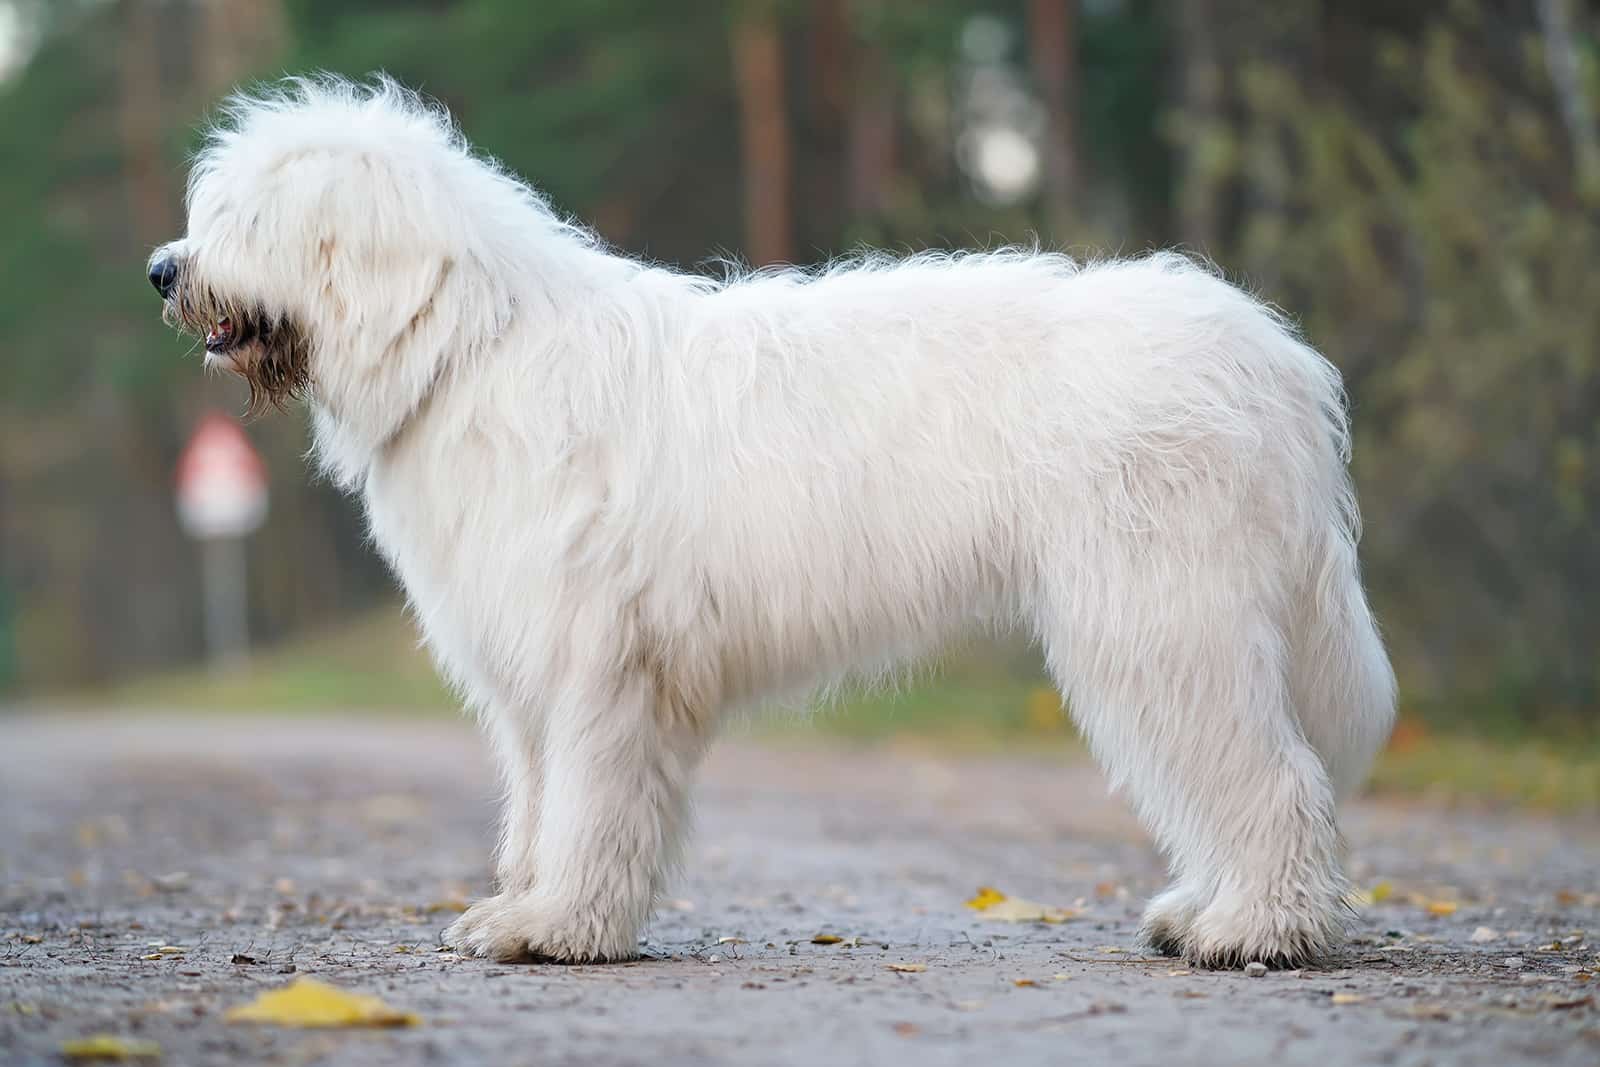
(337, 247)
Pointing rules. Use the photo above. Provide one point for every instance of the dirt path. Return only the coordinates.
(269, 848)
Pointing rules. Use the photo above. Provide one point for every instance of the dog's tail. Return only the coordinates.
(1341, 681)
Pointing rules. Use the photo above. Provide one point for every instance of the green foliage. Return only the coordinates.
(1447, 265)
(1402, 178)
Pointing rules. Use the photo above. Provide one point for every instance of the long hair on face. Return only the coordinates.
(274, 356)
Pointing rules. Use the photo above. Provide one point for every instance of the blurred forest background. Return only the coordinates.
(1418, 183)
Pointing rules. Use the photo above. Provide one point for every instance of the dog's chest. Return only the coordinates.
(482, 539)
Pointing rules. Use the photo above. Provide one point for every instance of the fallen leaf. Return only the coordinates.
(152, 956)
(732, 941)
(1024, 982)
(1381, 892)
(1442, 907)
(987, 897)
(1567, 1003)
(307, 1002)
(1044, 710)
(907, 968)
(108, 1047)
(457, 904)
(1190, 994)
(826, 939)
(1347, 998)
(173, 882)
(1436, 1012)
(906, 1029)
(31, 939)
(995, 905)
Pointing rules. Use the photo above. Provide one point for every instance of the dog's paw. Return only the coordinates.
(1277, 930)
(523, 928)
(1169, 919)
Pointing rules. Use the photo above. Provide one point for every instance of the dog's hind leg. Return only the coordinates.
(618, 760)
(1341, 680)
(1177, 675)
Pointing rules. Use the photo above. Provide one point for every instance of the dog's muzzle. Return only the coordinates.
(164, 275)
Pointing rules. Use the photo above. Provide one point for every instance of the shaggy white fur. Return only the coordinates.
(624, 500)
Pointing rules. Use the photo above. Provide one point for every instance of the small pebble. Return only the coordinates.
(1255, 969)
(1511, 961)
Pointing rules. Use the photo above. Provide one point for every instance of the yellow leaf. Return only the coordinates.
(907, 968)
(993, 904)
(1442, 907)
(107, 1047)
(456, 904)
(1347, 998)
(1381, 892)
(987, 897)
(307, 1002)
(826, 939)
(1023, 982)
(1044, 710)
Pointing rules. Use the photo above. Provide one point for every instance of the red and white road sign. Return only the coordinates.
(222, 483)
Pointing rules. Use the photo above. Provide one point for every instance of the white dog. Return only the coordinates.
(624, 500)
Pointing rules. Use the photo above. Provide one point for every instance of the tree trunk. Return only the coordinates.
(1556, 19)
(823, 168)
(764, 134)
(1199, 191)
(872, 135)
(236, 39)
(140, 115)
(1052, 44)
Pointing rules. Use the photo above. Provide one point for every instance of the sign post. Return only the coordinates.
(222, 499)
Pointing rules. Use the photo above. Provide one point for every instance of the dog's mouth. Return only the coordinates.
(227, 335)
(270, 353)
(220, 336)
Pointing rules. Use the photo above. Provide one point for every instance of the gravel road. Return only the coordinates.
(257, 851)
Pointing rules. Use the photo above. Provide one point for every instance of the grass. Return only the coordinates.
(1459, 768)
(371, 665)
(985, 698)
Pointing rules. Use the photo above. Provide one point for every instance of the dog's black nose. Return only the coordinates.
(164, 275)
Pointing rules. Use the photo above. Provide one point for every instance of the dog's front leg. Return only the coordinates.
(617, 770)
(519, 744)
